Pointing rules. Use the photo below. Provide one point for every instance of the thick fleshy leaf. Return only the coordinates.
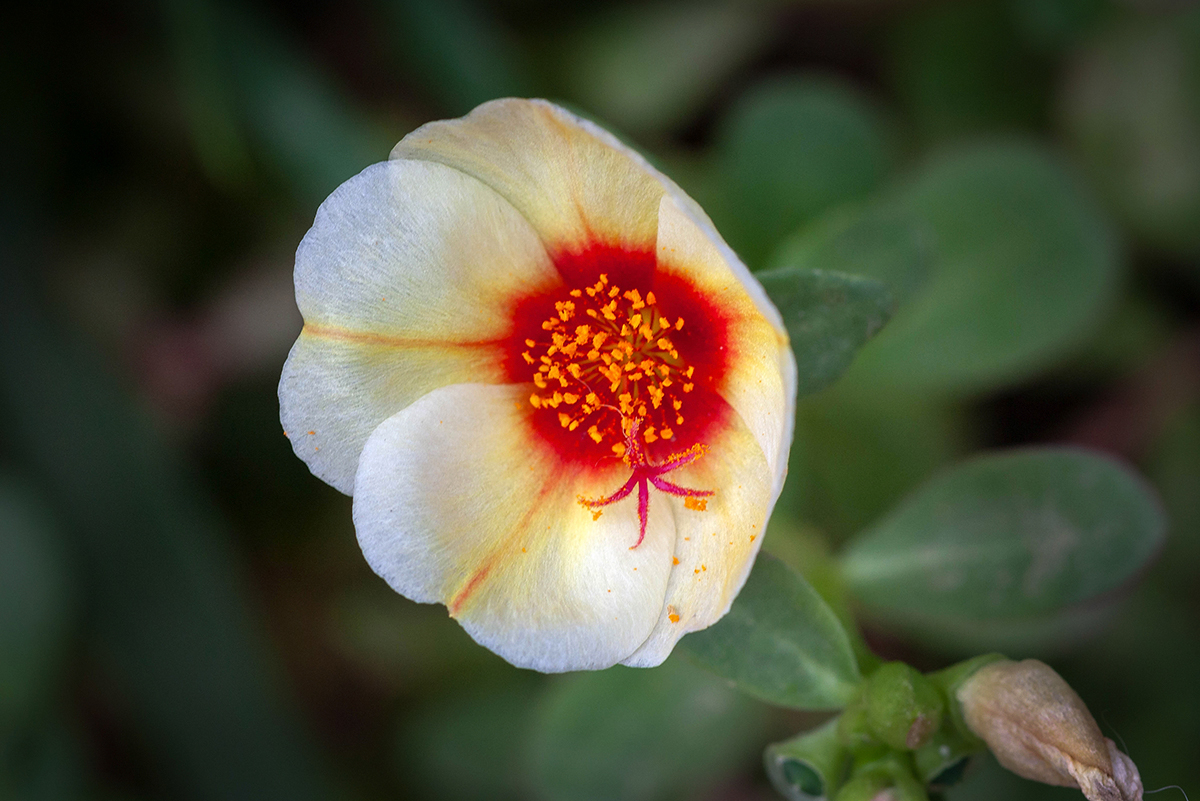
(641, 735)
(573, 181)
(456, 502)
(1131, 108)
(781, 642)
(859, 452)
(1025, 269)
(828, 316)
(880, 241)
(402, 282)
(790, 150)
(647, 67)
(1009, 535)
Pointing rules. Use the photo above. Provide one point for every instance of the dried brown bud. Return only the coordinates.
(1038, 727)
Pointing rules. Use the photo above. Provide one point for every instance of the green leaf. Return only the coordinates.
(828, 317)
(780, 642)
(1132, 112)
(1047, 636)
(641, 735)
(35, 604)
(1009, 535)
(1025, 269)
(878, 241)
(648, 67)
(856, 454)
(789, 150)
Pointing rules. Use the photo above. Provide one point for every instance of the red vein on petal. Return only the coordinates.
(467, 591)
(477, 579)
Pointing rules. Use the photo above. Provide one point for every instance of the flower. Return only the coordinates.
(562, 405)
(1040, 729)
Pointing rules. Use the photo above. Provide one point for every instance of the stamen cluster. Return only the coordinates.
(608, 350)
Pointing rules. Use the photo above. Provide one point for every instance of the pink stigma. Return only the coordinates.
(645, 474)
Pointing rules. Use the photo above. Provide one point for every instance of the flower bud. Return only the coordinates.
(903, 708)
(1038, 728)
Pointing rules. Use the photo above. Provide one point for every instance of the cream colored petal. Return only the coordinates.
(761, 384)
(573, 180)
(715, 547)
(457, 503)
(403, 282)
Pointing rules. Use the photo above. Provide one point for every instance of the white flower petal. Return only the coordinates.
(458, 502)
(575, 182)
(715, 547)
(405, 282)
(761, 384)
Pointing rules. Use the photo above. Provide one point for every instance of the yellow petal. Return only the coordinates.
(715, 548)
(404, 282)
(761, 383)
(457, 503)
(575, 182)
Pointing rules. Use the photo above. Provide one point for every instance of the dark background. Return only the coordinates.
(184, 612)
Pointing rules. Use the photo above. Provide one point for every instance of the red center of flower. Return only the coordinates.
(624, 361)
(606, 360)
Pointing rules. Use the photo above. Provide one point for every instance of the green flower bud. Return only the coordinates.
(852, 727)
(904, 708)
(888, 777)
(808, 766)
(1039, 728)
(870, 787)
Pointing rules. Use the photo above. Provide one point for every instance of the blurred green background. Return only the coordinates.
(184, 612)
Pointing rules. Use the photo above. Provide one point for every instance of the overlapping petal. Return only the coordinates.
(404, 282)
(714, 548)
(455, 503)
(575, 182)
(761, 384)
